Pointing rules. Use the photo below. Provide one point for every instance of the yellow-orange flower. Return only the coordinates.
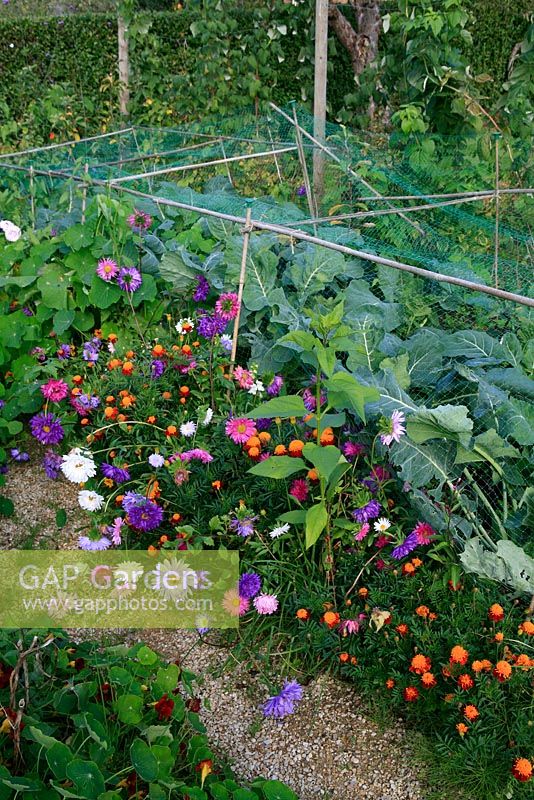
(498, 637)
(303, 613)
(420, 664)
(481, 666)
(471, 713)
(390, 683)
(295, 447)
(331, 618)
(280, 450)
(459, 655)
(465, 681)
(502, 671)
(522, 769)
(526, 627)
(462, 729)
(422, 611)
(428, 680)
(496, 613)
(524, 661)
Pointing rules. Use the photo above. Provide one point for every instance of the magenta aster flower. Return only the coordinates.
(227, 306)
(234, 604)
(424, 532)
(362, 533)
(47, 429)
(129, 279)
(348, 626)
(55, 390)
(243, 377)
(393, 428)
(266, 603)
(139, 221)
(115, 530)
(351, 450)
(197, 454)
(240, 429)
(107, 269)
(299, 490)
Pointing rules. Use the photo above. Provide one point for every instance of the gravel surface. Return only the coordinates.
(328, 750)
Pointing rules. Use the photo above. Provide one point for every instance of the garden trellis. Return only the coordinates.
(415, 217)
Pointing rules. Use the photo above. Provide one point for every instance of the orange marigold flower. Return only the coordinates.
(327, 436)
(171, 430)
(499, 636)
(77, 379)
(343, 657)
(481, 666)
(408, 569)
(130, 354)
(254, 452)
(353, 660)
(402, 629)
(303, 613)
(411, 694)
(158, 350)
(166, 395)
(363, 592)
(110, 399)
(390, 683)
(112, 338)
(313, 475)
(526, 627)
(524, 661)
(465, 681)
(496, 613)
(432, 616)
(176, 517)
(331, 618)
(522, 769)
(295, 447)
(448, 698)
(216, 485)
(127, 368)
(151, 419)
(184, 390)
(502, 671)
(253, 441)
(471, 713)
(422, 611)
(428, 680)
(110, 413)
(416, 562)
(462, 729)
(280, 450)
(264, 437)
(459, 655)
(420, 664)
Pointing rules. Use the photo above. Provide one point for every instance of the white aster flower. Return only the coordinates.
(185, 325)
(11, 231)
(78, 466)
(156, 460)
(90, 501)
(256, 388)
(208, 417)
(276, 532)
(188, 429)
(381, 525)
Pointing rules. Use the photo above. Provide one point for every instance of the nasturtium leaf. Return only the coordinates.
(291, 405)
(146, 656)
(130, 709)
(58, 757)
(53, 285)
(103, 294)
(276, 790)
(63, 320)
(167, 678)
(143, 760)
(86, 777)
(78, 236)
(278, 467)
(316, 519)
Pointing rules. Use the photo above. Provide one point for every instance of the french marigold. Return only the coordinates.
(428, 679)
(127, 368)
(327, 437)
(303, 614)
(264, 437)
(524, 661)
(343, 657)
(502, 671)
(465, 681)
(416, 562)
(499, 636)
(432, 616)
(253, 441)
(496, 613)
(526, 627)
(402, 629)
(390, 683)
(295, 447)
(254, 452)
(331, 618)
(420, 664)
(363, 592)
(462, 729)
(481, 666)
(411, 694)
(422, 611)
(408, 569)
(280, 450)
(471, 713)
(459, 655)
(522, 770)
(313, 475)
(171, 430)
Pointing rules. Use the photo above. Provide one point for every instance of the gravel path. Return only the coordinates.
(328, 750)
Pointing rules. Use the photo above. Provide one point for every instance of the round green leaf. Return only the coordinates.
(144, 761)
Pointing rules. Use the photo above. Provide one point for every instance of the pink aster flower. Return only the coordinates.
(266, 603)
(352, 450)
(394, 428)
(197, 454)
(348, 626)
(234, 604)
(240, 429)
(362, 533)
(55, 390)
(424, 533)
(299, 490)
(243, 377)
(227, 306)
(107, 269)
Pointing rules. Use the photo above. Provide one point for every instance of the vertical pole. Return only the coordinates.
(319, 92)
(32, 196)
(496, 136)
(124, 66)
(244, 254)
(221, 142)
(84, 190)
(304, 166)
(278, 171)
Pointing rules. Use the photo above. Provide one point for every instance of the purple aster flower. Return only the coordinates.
(301, 191)
(88, 402)
(202, 289)
(143, 513)
(243, 526)
(369, 511)
(409, 544)
(351, 450)
(27, 311)
(139, 222)
(115, 473)
(157, 368)
(249, 585)
(2, 404)
(129, 279)
(19, 455)
(47, 429)
(263, 424)
(52, 464)
(283, 703)
(64, 352)
(210, 326)
(90, 350)
(275, 386)
(86, 543)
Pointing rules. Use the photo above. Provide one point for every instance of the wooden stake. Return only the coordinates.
(304, 166)
(124, 66)
(221, 142)
(319, 91)
(242, 275)
(496, 136)
(32, 196)
(84, 190)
